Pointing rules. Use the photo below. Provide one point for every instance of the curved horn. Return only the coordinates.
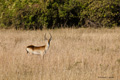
(50, 36)
(45, 36)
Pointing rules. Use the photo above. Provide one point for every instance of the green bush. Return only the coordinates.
(39, 14)
(104, 12)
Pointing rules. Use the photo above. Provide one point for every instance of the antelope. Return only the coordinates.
(31, 49)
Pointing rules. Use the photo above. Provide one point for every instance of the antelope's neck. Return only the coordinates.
(47, 46)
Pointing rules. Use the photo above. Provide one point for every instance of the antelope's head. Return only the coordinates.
(48, 40)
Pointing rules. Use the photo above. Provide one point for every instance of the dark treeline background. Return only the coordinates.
(39, 14)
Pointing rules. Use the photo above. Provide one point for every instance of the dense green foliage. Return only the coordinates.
(39, 14)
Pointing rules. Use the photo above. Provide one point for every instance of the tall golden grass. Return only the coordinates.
(74, 54)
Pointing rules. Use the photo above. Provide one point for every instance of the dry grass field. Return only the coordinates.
(74, 54)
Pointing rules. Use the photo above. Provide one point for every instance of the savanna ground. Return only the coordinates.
(74, 54)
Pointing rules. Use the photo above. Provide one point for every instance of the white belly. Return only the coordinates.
(38, 52)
